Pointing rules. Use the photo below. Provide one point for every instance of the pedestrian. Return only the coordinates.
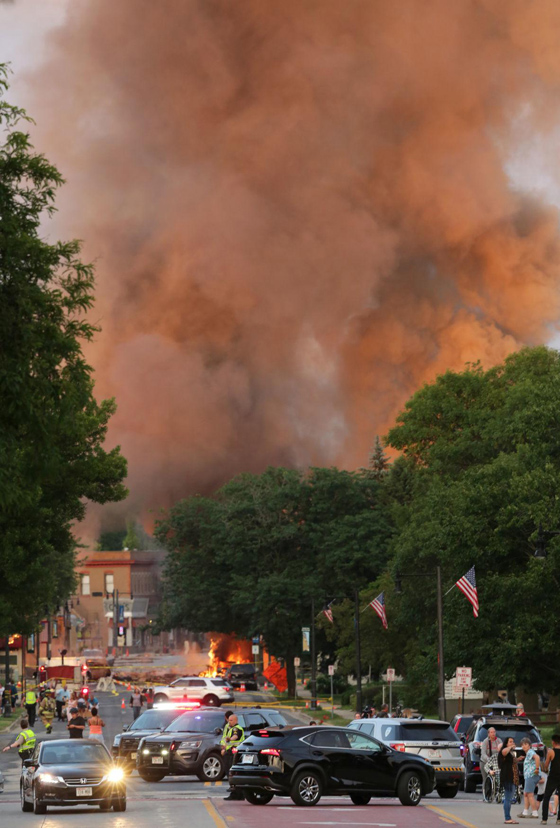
(509, 777)
(520, 711)
(46, 711)
(96, 725)
(552, 767)
(531, 778)
(489, 750)
(384, 712)
(61, 697)
(72, 702)
(358, 715)
(232, 737)
(25, 742)
(31, 706)
(76, 724)
(1, 698)
(149, 693)
(136, 702)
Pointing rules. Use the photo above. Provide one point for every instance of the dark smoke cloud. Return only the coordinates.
(300, 212)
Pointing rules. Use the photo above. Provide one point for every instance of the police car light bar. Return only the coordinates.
(193, 705)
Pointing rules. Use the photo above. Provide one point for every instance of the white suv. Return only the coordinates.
(208, 691)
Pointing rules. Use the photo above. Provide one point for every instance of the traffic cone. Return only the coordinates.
(129, 686)
(127, 653)
(123, 705)
(266, 685)
(307, 704)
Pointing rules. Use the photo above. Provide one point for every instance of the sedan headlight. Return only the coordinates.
(117, 740)
(190, 744)
(48, 778)
(115, 775)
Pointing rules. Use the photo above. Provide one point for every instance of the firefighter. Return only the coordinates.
(25, 742)
(47, 710)
(232, 736)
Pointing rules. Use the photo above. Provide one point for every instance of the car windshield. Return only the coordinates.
(197, 723)
(77, 752)
(154, 719)
(427, 732)
(517, 732)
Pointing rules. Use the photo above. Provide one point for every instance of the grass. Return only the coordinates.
(6, 721)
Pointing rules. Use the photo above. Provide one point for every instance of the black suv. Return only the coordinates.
(306, 763)
(191, 744)
(506, 726)
(125, 745)
(239, 674)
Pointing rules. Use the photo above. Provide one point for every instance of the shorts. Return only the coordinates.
(531, 783)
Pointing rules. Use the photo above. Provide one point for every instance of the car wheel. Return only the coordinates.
(160, 697)
(360, 799)
(38, 807)
(211, 700)
(212, 769)
(447, 791)
(307, 788)
(150, 776)
(105, 806)
(409, 788)
(258, 797)
(470, 784)
(25, 805)
(119, 805)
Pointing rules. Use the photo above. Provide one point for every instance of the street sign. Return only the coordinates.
(305, 639)
(255, 649)
(297, 661)
(390, 674)
(463, 677)
(331, 669)
(256, 639)
(121, 613)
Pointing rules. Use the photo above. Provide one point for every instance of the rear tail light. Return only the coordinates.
(263, 732)
(398, 746)
(173, 746)
(234, 750)
(271, 752)
(537, 745)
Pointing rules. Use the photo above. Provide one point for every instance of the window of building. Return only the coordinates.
(109, 583)
(85, 585)
(54, 629)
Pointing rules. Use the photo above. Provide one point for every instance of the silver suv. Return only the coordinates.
(433, 740)
(208, 691)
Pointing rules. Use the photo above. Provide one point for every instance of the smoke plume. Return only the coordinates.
(300, 212)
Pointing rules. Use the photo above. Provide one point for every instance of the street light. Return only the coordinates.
(540, 545)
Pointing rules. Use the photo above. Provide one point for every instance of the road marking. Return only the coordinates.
(380, 824)
(444, 819)
(214, 814)
(457, 820)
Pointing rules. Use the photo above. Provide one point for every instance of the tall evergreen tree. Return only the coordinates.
(378, 461)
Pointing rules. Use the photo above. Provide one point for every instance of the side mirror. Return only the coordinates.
(125, 727)
(218, 731)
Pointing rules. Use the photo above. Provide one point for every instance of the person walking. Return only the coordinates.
(76, 724)
(149, 694)
(531, 778)
(489, 751)
(509, 777)
(25, 742)
(136, 702)
(46, 711)
(61, 697)
(232, 736)
(552, 767)
(31, 706)
(96, 725)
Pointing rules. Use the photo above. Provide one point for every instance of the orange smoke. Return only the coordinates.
(300, 212)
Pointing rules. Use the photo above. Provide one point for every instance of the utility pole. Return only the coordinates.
(115, 617)
(313, 659)
(7, 696)
(441, 670)
(358, 652)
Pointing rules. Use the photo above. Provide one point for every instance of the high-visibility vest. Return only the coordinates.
(228, 731)
(29, 740)
(30, 697)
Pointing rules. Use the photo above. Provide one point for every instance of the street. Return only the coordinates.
(177, 800)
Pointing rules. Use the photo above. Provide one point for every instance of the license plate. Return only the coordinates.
(157, 760)
(133, 756)
(434, 754)
(247, 759)
(84, 791)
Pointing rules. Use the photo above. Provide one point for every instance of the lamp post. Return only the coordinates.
(540, 545)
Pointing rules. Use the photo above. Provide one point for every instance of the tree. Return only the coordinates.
(485, 448)
(51, 427)
(131, 539)
(379, 463)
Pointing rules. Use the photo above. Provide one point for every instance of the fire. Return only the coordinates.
(224, 651)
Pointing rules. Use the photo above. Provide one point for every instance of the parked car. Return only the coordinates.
(461, 722)
(239, 674)
(125, 744)
(431, 739)
(306, 763)
(191, 744)
(506, 726)
(71, 772)
(95, 665)
(211, 692)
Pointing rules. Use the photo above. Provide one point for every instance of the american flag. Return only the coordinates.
(467, 585)
(327, 612)
(378, 604)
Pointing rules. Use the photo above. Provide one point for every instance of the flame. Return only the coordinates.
(224, 651)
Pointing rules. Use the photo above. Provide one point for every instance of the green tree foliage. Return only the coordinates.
(484, 447)
(111, 541)
(379, 463)
(250, 559)
(51, 427)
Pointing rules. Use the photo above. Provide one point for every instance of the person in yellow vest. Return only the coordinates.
(232, 736)
(25, 742)
(31, 706)
(46, 711)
